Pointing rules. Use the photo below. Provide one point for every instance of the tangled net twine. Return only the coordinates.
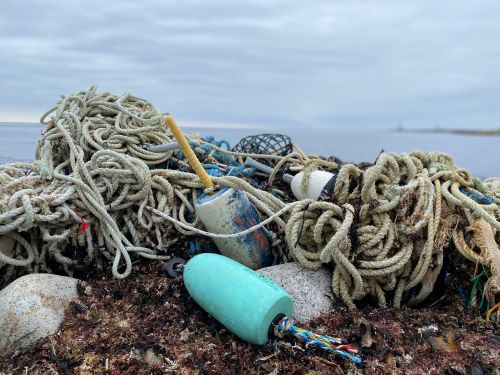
(94, 194)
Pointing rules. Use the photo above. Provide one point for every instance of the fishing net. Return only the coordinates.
(267, 144)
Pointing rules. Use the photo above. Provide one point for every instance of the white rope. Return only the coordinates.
(263, 223)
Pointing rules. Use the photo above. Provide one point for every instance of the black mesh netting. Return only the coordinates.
(270, 144)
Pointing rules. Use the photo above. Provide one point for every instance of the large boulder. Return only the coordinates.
(310, 290)
(32, 307)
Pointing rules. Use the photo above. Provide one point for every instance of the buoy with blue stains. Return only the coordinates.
(229, 211)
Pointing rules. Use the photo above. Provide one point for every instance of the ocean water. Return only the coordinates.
(479, 154)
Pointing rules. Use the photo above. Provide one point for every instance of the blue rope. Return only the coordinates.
(211, 139)
(233, 167)
(195, 248)
(240, 170)
(480, 199)
(213, 170)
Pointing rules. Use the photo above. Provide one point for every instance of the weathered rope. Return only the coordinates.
(263, 223)
(91, 168)
(287, 326)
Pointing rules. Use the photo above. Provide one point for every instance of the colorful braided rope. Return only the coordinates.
(333, 344)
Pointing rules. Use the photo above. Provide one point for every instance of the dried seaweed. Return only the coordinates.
(148, 324)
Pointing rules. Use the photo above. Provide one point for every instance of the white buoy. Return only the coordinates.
(319, 187)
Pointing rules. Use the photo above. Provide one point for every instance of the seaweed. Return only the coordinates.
(148, 324)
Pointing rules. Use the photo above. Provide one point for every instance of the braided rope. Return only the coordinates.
(287, 326)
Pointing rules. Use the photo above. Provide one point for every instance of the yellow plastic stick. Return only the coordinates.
(190, 155)
(490, 311)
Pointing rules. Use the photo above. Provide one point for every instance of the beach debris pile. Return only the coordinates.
(95, 195)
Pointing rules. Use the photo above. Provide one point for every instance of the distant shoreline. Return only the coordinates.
(18, 123)
(186, 125)
(481, 132)
(229, 126)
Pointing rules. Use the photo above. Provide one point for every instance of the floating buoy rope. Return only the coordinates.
(384, 228)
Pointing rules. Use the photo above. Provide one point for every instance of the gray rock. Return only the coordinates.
(32, 307)
(310, 290)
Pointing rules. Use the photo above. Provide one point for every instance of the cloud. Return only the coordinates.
(322, 63)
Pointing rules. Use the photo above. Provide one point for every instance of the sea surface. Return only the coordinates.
(479, 154)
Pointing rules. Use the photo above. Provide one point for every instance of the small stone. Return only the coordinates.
(153, 359)
(32, 307)
(407, 359)
(123, 324)
(310, 290)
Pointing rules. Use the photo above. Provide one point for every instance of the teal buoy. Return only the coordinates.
(242, 300)
(250, 305)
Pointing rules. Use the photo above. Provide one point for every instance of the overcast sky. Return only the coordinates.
(320, 63)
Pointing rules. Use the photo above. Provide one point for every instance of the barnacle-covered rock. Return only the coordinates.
(310, 290)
